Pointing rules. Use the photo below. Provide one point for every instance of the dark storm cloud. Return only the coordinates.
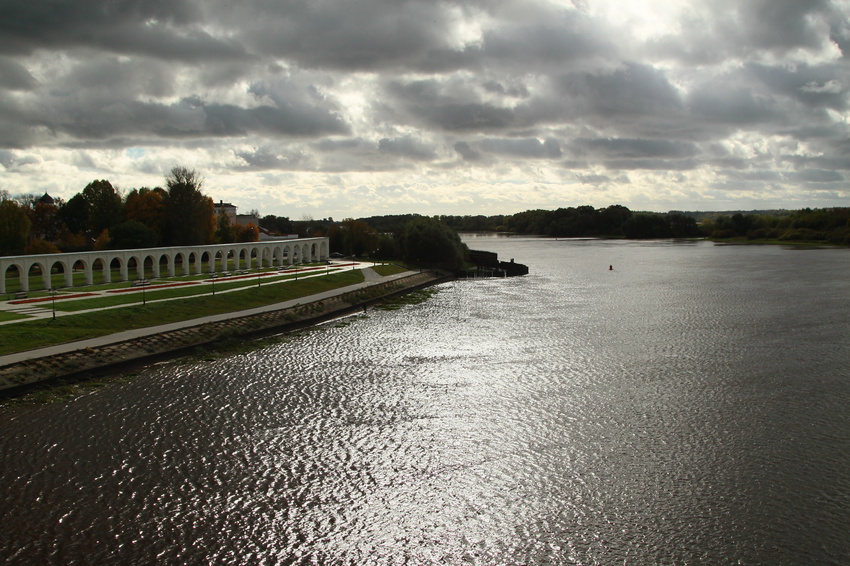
(816, 176)
(429, 103)
(466, 152)
(107, 98)
(633, 149)
(407, 146)
(718, 103)
(758, 175)
(511, 90)
(230, 120)
(343, 145)
(381, 34)
(828, 162)
(269, 158)
(156, 28)
(527, 148)
(783, 24)
(631, 154)
(14, 76)
(633, 90)
(365, 35)
(652, 164)
(189, 118)
(732, 29)
(821, 86)
(559, 38)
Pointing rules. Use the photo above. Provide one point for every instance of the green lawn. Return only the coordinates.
(388, 269)
(4, 316)
(73, 305)
(46, 332)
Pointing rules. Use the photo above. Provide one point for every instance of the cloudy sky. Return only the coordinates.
(361, 107)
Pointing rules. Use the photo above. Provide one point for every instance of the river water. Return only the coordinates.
(689, 406)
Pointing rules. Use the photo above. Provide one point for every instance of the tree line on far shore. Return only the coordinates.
(100, 217)
(830, 225)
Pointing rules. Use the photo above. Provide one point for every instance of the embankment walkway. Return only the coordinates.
(135, 345)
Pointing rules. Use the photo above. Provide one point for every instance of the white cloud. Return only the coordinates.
(328, 109)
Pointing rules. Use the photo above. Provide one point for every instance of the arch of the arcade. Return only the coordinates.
(161, 262)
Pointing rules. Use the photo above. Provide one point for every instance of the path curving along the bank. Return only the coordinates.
(134, 346)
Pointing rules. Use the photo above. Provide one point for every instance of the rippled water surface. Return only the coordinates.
(690, 406)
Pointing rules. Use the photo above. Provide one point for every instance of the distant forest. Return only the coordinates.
(101, 217)
(830, 225)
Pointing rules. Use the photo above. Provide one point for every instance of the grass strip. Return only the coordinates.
(47, 332)
(157, 294)
(388, 269)
(4, 316)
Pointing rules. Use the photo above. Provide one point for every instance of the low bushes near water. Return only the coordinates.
(413, 298)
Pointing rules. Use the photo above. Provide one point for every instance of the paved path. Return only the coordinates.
(371, 278)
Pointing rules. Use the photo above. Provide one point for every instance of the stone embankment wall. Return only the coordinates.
(169, 344)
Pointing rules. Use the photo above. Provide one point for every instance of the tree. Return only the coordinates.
(132, 234)
(430, 242)
(612, 218)
(353, 237)
(14, 228)
(146, 206)
(247, 233)
(45, 221)
(224, 229)
(39, 246)
(646, 225)
(189, 217)
(682, 225)
(103, 240)
(105, 206)
(280, 225)
(74, 214)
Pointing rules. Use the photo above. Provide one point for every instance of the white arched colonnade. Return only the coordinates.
(189, 259)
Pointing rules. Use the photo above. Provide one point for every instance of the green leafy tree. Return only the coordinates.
(682, 225)
(612, 218)
(74, 214)
(280, 225)
(45, 221)
(646, 225)
(105, 207)
(14, 228)
(132, 234)
(388, 247)
(353, 237)
(189, 215)
(428, 241)
(224, 229)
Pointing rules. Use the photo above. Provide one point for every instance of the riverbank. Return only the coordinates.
(111, 352)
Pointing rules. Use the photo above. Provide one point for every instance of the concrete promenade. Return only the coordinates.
(371, 278)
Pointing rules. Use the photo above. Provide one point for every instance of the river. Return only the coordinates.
(688, 406)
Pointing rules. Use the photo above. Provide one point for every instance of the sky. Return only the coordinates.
(314, 108)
